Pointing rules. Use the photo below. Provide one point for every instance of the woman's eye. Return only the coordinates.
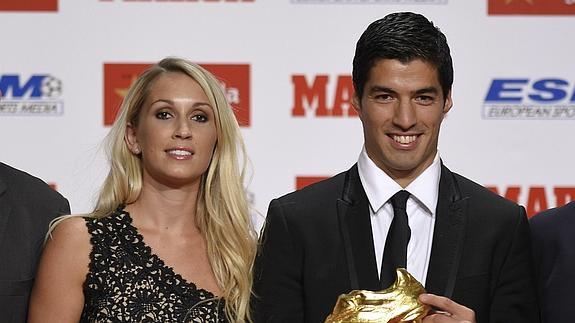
(200, 118)
(163, 115)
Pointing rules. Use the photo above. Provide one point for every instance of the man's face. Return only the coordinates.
(401, 111)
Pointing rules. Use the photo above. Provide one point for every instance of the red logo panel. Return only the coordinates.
(531, 7)
(29, 5)
(311, 96)
(536, 196)
(235, 78)
(117, 80)
(303, 181)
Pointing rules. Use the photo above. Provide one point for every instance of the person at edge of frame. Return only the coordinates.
(27, 206)
(553, 233)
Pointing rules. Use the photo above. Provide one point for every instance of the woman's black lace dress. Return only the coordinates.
(126, 282)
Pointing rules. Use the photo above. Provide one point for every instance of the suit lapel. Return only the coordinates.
(355, 224)
(5, 208)
(448, 236)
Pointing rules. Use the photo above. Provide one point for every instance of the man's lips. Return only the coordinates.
(404, 139)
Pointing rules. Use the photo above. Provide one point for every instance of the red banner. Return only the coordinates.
(303, 181)
(531, 7)
(235, 78)
(29, 5)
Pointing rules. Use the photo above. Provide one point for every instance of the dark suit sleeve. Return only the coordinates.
(554, 256)
(514, 298)
(64, 208)
(27, 206)
(278, 293)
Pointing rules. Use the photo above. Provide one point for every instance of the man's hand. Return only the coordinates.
(446, 310)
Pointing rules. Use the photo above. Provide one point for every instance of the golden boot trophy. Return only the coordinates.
(396, 304)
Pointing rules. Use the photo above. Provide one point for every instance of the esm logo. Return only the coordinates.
(38, 94)
(322, 96)
(523, 98)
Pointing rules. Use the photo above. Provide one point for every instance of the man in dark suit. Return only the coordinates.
(399, 206)
(553, 233)
(27, 205)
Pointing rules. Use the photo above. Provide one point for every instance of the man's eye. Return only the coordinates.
(424, 99)
(382, 97)
(200, 118)
(163, 115)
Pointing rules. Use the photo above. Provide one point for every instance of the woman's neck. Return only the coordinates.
(163, 208)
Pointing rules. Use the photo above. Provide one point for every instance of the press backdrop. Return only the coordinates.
(65, 65)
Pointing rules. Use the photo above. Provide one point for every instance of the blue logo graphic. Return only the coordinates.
(34, 95)
(523, 98)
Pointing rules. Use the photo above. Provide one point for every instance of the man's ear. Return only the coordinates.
(131, 139)
(356, 103)
(448, 103)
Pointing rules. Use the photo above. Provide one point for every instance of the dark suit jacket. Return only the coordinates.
(27, 205)
(553, 233)
(317, 244)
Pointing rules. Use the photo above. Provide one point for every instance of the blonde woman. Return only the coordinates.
(170, 239)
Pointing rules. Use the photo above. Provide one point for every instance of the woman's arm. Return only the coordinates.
(57, 294)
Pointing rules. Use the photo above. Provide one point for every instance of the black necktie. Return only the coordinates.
(395, 251)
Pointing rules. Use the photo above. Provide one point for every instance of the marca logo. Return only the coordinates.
(523, 98)
(181, 1)
(235, 78)
(29, 5)
(531, 7)
(311, 94)
(38, 94)
(303, 181)
(536, 197)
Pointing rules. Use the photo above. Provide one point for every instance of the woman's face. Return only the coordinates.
(176, 131)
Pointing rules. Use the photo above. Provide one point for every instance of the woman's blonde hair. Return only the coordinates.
(222, 212)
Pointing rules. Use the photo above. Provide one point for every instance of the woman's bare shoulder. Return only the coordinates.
(69, 230)
(57, 295)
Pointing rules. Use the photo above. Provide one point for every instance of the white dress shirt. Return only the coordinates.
(421, 206)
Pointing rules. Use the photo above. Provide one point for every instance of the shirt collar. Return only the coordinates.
(379, 187)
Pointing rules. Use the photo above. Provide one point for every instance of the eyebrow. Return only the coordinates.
(195, 105)
(431, 89)
(377, 88)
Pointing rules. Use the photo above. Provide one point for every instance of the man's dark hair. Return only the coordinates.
(404, 36)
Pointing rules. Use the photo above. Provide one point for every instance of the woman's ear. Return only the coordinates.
(131, 139)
